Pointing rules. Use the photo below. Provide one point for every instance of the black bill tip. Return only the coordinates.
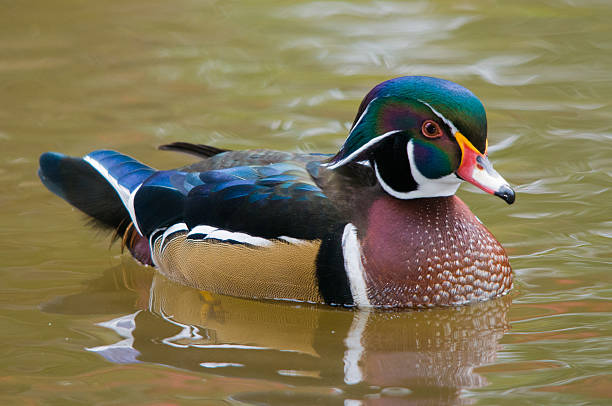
(506, 193)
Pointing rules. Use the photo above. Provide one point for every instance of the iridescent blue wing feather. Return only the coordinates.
(122, 171)
(266, 201)
(262, 201)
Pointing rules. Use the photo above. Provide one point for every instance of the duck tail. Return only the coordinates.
(101, 185)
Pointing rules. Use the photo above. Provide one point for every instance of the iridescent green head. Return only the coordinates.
(422, 136)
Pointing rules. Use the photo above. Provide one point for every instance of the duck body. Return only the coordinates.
(377, 224)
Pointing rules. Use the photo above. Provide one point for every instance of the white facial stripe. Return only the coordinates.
(444, 186)
(381, 137)
(363, 114)
(351, 251)
(437, 113)
(363, 148)
(367, 145)
(389, 189)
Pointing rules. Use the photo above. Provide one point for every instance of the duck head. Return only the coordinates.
(423, 136)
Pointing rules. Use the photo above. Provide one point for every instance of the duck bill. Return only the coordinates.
(476, 169)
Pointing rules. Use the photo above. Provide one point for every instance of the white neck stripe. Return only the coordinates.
(351, 251)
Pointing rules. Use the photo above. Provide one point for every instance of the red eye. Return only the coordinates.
(431, 129)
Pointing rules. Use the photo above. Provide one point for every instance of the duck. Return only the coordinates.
(375, 225)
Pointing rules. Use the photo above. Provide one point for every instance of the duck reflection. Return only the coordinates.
(372, 357)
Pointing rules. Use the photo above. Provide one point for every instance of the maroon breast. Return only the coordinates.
(427, 252)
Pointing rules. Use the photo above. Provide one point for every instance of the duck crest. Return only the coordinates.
(399, 104)
(376, 224)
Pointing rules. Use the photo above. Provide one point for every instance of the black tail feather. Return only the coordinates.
(77, 182)
(199, 150)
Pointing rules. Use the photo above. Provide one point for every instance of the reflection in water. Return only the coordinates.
(367, 357)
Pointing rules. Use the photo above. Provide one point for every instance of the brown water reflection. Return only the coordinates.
(418, 357)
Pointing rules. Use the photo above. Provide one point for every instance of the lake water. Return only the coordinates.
(82, 324)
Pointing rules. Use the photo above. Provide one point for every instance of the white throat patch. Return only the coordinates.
(444, 186)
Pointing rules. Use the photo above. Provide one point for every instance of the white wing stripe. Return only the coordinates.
(126, 197)
(171, 230)
(201, 230)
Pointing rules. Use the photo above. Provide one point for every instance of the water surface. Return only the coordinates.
(82, 324)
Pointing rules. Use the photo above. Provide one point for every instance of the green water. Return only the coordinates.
(81, 324)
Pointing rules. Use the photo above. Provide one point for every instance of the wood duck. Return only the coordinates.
(375, 225)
